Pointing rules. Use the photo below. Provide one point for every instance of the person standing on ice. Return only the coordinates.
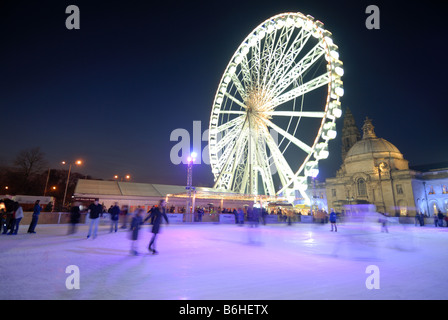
(36, 212)
(157, 215)
(114, 215)
(333, 220)
(95, 210)
(18, 216)
(136, 222)
(75, 215)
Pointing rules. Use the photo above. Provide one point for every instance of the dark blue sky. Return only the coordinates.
(112, 92)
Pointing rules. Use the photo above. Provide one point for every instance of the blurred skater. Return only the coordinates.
(332, 219)
(440, 218)
(436, 222)
(124, 213)
(75, 215)
(3, 220)
(114, 215)
(136, 222)
(383, 221)
(36, 212)
(157, 215)
(18, 215)
(240, 215)
(253, 216)
(417, 219)
(95, 210)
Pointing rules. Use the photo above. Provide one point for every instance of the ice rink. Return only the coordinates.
(210, 261)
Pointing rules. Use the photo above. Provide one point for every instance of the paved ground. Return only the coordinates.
(221, 262)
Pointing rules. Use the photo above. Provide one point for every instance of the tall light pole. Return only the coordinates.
(46, 184)
(190, 188)
(78, 162)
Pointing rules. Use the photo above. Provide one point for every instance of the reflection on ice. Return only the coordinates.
(366, 234)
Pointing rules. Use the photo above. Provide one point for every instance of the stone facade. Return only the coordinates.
(375, 172)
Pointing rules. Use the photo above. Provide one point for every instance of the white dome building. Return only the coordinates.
(374, 172)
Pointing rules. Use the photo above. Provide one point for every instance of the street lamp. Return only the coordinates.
(126, 177)
(77, 162)
(190, 160)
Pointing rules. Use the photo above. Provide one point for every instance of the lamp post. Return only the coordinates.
(189, 187)
(78, 162)
(46, 183)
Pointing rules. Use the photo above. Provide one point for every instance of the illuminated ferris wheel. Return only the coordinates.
(275, 108)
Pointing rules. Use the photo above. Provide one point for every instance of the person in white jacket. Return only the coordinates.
(18, 215)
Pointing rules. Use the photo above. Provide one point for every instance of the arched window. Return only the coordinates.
(434, 206)
(362, 189)
(403, 207)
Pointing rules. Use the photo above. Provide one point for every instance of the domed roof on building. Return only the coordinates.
(371, 144)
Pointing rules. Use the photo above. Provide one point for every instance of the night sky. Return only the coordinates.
(112, 92)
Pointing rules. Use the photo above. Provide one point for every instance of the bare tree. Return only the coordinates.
(30, 163)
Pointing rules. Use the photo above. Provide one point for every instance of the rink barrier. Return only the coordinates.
(64, 218)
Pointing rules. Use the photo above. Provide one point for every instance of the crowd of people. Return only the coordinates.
(439, 218)
(95, 211)
(11, 214)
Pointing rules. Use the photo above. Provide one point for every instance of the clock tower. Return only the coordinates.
(350, 133)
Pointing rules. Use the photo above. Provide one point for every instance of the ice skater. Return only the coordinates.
(157, 215)
(332, 219)
(114, 215)
(18, 215)
(383, 221)
(95, 210)
(36, 212)
(136, 222)
(75, 215)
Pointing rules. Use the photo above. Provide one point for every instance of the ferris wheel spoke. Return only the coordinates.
(256, 64)
(230, 136)
(307, 114)
(279, 52)
(285, 80)
(267, 56)
(289, 136)
(236, 172)
(238, 102)
(224, 177)
(290, 56)
(284, 170)
(239, 86)
(245, 71)
(264, 166)
(240, 112)
(240, 170)
(231, 123)
(301, 90)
